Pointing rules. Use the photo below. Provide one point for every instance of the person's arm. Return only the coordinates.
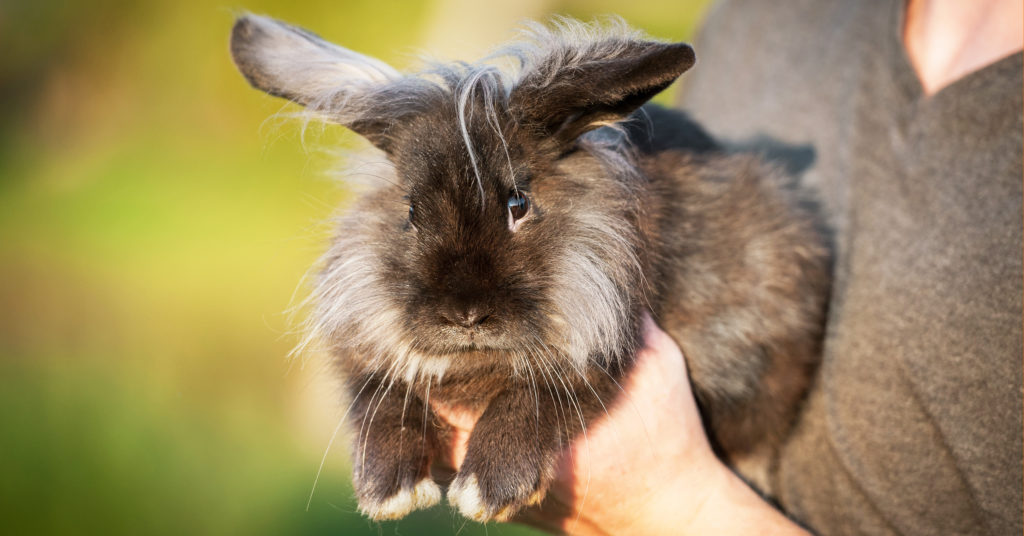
(647, 467)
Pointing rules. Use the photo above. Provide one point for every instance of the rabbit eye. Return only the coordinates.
(518, 206)
(410, 225)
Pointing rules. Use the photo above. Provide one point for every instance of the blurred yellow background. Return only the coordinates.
(154, 227)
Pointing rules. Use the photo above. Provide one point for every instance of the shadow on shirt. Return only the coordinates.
(655, 129)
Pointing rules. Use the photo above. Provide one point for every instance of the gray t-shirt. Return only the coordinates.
(915, 424)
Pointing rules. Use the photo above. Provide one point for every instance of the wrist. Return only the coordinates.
(732, 507)
(709, 499)
(687, 504)
(668, 502)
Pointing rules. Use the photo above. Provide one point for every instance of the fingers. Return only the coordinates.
(461, 421)
(660, 368)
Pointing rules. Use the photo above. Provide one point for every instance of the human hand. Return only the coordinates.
(646, 467)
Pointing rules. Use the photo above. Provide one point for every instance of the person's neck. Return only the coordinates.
(948, 39)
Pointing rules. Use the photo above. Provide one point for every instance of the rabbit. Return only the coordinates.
(531, 215)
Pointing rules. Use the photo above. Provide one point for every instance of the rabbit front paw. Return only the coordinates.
(391, 473)
(496, 492)
(422, 494)
(395, 481)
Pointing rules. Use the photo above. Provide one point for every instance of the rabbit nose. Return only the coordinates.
(467, 316)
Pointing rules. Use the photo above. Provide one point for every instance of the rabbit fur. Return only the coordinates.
(533, 210)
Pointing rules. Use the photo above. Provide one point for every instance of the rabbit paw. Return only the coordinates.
(492, 499)
(393, 478)
(405, 500)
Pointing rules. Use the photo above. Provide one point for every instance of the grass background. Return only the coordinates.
(154, 227)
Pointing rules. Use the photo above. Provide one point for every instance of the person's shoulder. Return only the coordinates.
(778, 17)
(757, 58)
(737, 29)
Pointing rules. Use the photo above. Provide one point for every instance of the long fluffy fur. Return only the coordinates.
(624, 219)
(590, 303)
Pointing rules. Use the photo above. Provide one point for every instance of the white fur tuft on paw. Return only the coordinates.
(424, 494)
(464, 495)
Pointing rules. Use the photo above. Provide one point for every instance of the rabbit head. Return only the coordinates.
(506, 229)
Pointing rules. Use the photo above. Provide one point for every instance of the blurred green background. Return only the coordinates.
(154, 226)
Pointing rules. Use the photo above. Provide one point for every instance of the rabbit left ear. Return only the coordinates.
(570, 93)
(290, 62)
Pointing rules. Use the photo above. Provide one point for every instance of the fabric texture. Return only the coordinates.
(915, 423)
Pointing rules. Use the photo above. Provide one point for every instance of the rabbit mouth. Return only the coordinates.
(461, 352)
(450, 340)
(470, 339)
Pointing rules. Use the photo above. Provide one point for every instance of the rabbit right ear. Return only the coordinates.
(290, 62)
(574, 89)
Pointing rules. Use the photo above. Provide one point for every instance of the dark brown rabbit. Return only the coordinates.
(530, 216)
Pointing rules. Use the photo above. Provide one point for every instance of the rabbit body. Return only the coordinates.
(506, 260)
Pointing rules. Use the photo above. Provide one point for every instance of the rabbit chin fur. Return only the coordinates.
(528, 212)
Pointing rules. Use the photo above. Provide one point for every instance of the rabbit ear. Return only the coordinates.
(571, 91)
(290, 62)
